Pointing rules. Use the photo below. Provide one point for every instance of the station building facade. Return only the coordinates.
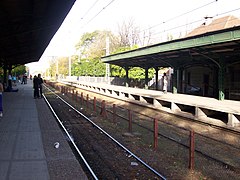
(206, 62)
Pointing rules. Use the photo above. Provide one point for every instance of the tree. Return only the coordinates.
(92, 46)
(62, 64)
(133, 36)
(93, 67)
(128, 33)
(117, 71)
(138, 73)
(19, 70)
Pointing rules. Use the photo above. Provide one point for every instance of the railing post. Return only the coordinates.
(114, 113)
(72, 94)
(82, 98)
(155, 133)
(191, 150)
(103, 109)
(87, 100)
(94, 104)
(76, 96)
(129, 121)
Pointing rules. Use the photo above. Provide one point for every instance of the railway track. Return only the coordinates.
(227, 129)
(103, 156)
(215, 146)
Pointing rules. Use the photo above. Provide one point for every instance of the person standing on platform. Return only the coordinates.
(9, 83)
(40, 81)
(1, 104)
(165, 83)
(36, 87)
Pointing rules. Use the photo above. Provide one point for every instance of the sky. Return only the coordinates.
(174, 17)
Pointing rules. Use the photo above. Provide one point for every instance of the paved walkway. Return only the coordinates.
(28, 132)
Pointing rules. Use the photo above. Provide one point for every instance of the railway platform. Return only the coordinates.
(208, 110)
(28, 132)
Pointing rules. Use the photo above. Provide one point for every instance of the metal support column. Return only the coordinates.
(127, 79)
(174, 81)
(146, 78)
(221, 74)
(4, 76)
(156, 77)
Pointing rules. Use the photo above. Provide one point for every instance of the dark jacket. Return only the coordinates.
(35, 83)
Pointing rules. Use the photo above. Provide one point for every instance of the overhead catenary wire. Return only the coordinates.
(154, 26)
(199, 20)
(173, 18)
(99, 12)
(89, 9)
(178, 16)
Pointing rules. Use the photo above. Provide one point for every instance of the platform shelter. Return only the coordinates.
(208, 62)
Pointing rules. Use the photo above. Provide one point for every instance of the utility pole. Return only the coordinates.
(107, 64)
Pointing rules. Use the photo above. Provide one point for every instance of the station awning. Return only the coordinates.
(27, 26)
(212, 49)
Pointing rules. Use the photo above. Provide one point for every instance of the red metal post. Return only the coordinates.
(94, 104)
(103, 109)
(155, 133)
(129, 121)
(82, 98)
(76, 96)
(72, 95)
(114, 113)
(191, 150)
(87, 100)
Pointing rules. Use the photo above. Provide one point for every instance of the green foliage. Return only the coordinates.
(87, 39)
(91, 47)
(135, 73)
(138, 73)
(89, 67)
(19, 70)
(117, 71)
(125, 48)
(63, 65)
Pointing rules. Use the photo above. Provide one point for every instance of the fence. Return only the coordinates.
(191, 149)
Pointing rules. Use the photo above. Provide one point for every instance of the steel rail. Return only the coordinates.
(108, 135)
(70, 138)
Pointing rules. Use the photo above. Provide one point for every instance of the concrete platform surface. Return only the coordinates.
(28, 132)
